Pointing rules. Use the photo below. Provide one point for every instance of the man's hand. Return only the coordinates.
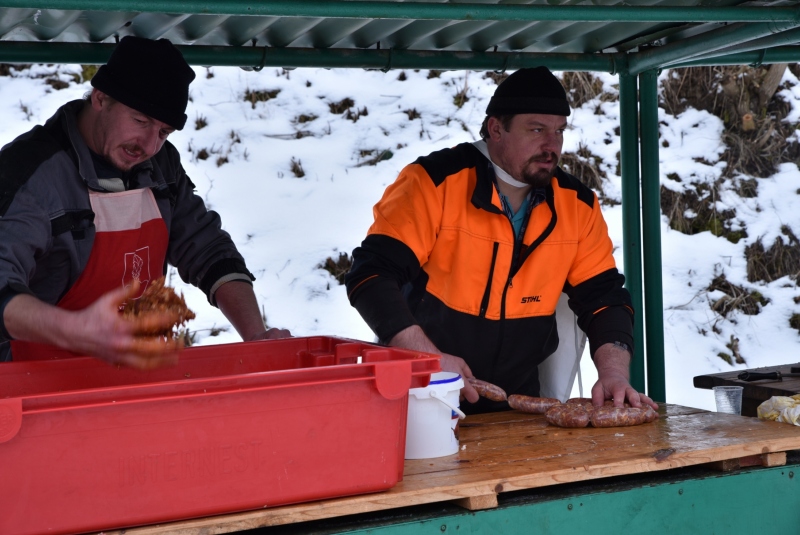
(98, 330)
(612, 364)
(238, 303)
(273, 334)
(414, 338)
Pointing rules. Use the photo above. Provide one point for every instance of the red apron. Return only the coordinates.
(130, 244)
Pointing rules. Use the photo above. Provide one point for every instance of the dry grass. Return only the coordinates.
(735, 298)
(337, 268)
(780, 260)
(582, 87)
(694, 210)
(338, 108)
(586, 167)
(794, 322)
(755, 132)
(296, 166)
(261, 95)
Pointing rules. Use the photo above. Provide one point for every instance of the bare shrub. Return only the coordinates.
(780, 260)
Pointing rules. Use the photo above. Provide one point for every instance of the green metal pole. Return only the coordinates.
(631, 227)
(685, 49)
(424, 10)
(651, 236)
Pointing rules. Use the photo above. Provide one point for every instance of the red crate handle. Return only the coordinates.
(10, 418)
(393, 379)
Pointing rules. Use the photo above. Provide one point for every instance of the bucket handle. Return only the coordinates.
(456, 410)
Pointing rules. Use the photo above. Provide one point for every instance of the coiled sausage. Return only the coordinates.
(568, 415)
(618, 416)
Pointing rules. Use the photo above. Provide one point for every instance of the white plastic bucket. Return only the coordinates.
(433, 415)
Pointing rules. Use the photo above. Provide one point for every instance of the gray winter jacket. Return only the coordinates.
(46, 221)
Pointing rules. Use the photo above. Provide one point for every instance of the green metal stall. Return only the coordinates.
(632, 39)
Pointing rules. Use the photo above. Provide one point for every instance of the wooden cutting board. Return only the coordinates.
(509, 451)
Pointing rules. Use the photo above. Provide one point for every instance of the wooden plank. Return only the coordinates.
(476, 503)
(510, 451)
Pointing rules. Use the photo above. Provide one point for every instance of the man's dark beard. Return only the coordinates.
(540, 178)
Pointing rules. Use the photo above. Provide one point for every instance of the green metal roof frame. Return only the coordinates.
(483, 35)
(632, 40)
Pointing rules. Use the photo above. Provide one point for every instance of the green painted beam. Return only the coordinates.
(789, 37)
(785, 54)
(425, 10)
(259, 57)
(738, 503)
(686, 49)
(651, 236)
(631, 228)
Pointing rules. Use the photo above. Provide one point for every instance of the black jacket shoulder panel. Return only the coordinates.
(443, 163)
(568, 181)
(20, 159)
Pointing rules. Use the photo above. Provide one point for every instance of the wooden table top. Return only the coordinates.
(755, 392)
(510, 451)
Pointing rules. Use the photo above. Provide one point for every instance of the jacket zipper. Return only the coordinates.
(487, 292)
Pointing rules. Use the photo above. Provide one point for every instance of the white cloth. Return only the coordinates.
(557, 373)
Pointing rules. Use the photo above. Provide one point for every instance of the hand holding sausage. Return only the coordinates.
(414, 338)
(488, 390)
(98, 330)
(612, 379)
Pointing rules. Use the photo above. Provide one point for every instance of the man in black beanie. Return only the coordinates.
(95, 204)
(472, 247)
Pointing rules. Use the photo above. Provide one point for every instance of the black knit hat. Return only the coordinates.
(149, 76)
(534, 90)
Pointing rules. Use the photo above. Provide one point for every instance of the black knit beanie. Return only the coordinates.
(534, 90)
(149, 76)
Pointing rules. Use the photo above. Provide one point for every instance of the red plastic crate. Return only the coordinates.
(85, 446)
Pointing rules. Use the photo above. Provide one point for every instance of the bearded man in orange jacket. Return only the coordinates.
(472, 247)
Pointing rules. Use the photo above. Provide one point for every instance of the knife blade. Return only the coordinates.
(760, 376)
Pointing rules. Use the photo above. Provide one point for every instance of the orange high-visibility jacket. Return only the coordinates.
(441, 254)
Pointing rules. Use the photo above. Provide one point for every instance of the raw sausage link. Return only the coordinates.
(531, 404)
(488, 390)
(567, 415)
(586, 403)
(650, 414)
(618, 416)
